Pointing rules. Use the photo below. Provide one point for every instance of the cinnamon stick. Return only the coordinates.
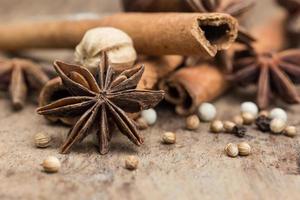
(153, 34)
(190, 86)
(158, 68)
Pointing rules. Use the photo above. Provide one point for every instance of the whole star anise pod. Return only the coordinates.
(18, 76)
(99, 101)
(235, 8)
(293, 20)
(274, 73)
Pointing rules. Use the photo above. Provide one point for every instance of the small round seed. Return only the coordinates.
(51, 164)
(169, 138)
(231, 150)
(263, 123)
(239, 130)
(207, 112)
(238, 120)
(290, 131)
(248, 118)
(141, 123)
(42, 140)
(244, 149)
(149, 116)
(277, 125)
(228, 126)
(216, 126)
(192, 122)
(264, 113)
(249, 107)
(278, 113)
(131, 162)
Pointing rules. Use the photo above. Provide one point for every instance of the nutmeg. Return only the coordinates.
(117, 44)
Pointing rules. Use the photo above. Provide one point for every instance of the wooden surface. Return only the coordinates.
(194, 168)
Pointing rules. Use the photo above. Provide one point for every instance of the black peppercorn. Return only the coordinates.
(263, 123)
(239, 130)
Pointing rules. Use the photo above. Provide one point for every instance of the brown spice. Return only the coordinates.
(276, 73)
(239, 130)
(96, 100)
(263, 123)
(19, 76)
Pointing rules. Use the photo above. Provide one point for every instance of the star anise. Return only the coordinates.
(293, 20)
(235, 8)
(274, 73)
(99, 101)
(18, 75)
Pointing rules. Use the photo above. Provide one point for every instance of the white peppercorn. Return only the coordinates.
(277, 125)
(278, 113)
(249, 107)
(149, 116)
(207, 112)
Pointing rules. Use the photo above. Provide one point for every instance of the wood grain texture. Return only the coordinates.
(194, 167)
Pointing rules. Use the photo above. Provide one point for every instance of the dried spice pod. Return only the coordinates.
(53, 91)
(188, 87)
(152, 34)
(100, 101)
(19, 76)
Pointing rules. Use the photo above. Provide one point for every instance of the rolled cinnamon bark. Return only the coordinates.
(158, 68)
(152, 34)
(190, 86)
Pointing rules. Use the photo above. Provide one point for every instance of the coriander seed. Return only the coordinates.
(264, 113)
(248, 118)
(277, 125)
(42, 140)
(228, 126)
(244, 149)
(169, 138)
(192, 122)
(131, 162)
(238, 120)
(290, 131)
(51, 164)
(141, 123)
(231, 150)
(216, 126)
